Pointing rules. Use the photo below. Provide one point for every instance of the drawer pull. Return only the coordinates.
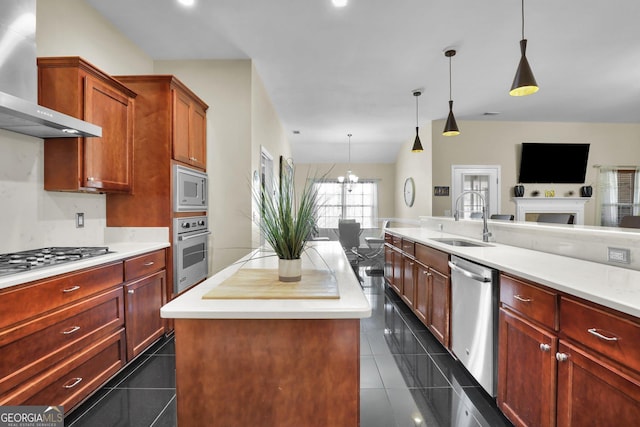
(545, 347)
(71, 289)
(74, 382)
(150, 263)
(522, 299)
(594, 331)
(71, 330)
(131, 291)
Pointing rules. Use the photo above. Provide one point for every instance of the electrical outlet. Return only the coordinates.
(79, 220)
(619, 255)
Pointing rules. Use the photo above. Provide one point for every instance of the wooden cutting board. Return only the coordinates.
(257, 283)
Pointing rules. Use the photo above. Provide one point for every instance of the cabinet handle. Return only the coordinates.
(71, 330)
(74, 382)
(594, 331)
(131, 291)
(562, 357)
(71, 289)
(522, 299)
(90, 179)
(147, 264)
(545, 347)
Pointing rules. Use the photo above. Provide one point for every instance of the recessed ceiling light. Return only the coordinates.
(339, 3)
(187, 2)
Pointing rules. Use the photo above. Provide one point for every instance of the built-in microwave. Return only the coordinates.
(189, 190)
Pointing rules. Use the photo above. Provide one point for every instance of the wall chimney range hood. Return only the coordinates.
(19, 111)
(18, 115)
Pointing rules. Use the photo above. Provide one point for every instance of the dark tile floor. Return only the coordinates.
(406, 379)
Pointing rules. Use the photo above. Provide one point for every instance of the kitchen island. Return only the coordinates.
(280, 362)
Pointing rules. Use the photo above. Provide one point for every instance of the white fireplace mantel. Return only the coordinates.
(570, 205)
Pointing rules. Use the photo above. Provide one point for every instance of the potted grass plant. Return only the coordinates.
(288, 222)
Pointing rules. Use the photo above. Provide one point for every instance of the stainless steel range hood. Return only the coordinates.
(19, 111)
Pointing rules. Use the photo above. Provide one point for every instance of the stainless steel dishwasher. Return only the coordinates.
(474, 319)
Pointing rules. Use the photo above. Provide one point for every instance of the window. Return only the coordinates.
(361, 203)
(619, 194)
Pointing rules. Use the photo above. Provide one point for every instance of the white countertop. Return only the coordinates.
(614, 287)
(119, 251)
(320, 255)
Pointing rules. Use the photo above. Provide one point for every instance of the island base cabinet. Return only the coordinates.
(527, 376)
(594, 393)
(268, 372)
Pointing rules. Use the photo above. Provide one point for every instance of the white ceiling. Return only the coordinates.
(332, 71)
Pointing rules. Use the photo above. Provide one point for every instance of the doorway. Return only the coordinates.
(484, 179)
(266, 180)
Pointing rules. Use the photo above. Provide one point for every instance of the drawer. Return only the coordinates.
(70, 382)
(144, 265)
(35, 346)
(388, 238)
(433, 258)
(609, 334)
(409, 247)
(24, 302)
(397, 241)
(529, 300)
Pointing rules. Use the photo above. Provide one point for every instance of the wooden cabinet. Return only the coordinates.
(144, 295)
(420, 275)
(189, 129)
(527, 371)
(170, 128)
(54, 333)
(75, 87)
(564, 361)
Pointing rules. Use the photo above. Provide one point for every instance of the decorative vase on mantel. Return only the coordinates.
(518, 190)
(290, 270)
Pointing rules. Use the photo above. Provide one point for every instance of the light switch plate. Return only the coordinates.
(619, 255)
(79, 220)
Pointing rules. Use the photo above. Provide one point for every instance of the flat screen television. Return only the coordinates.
(553, 163)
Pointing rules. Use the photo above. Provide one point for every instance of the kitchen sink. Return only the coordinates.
(459, 242)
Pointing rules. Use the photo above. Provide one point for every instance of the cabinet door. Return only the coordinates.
(408, 283)
(388, 264)
(439, 306)
(181, 109)
(397, 272)
(198, 137)
(143, 299)
(421, 301)
(526, 372)
(593, 392)
(108, 160)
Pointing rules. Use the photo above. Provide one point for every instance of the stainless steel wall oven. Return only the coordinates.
(190, 250)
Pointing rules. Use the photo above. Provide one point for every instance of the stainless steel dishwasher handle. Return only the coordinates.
(183, 238)
(470, 275)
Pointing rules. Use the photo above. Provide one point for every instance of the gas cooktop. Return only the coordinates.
(18, 262)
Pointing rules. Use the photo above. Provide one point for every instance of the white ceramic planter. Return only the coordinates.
(289, 270)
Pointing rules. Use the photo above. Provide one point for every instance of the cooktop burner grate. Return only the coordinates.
(18, 262)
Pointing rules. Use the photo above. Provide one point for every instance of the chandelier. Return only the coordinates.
(351, 178)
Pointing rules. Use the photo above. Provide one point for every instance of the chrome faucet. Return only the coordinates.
(485, 229)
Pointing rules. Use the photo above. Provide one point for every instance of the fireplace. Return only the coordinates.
(528, 208)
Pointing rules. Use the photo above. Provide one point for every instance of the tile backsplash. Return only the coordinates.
(31, 217)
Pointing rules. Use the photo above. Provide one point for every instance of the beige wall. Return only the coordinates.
(31, 217)
(491, 143)
(417, 166)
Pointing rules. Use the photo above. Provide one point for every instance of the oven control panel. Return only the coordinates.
(190, 224)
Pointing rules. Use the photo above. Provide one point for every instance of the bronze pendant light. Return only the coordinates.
(523, 83)
(417, 145)
(450, 127)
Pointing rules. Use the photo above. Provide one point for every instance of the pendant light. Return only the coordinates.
(523, 83)
(350, 178)
(417, 145)
(450, 127)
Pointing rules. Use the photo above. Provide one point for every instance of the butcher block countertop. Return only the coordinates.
(342, 299)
